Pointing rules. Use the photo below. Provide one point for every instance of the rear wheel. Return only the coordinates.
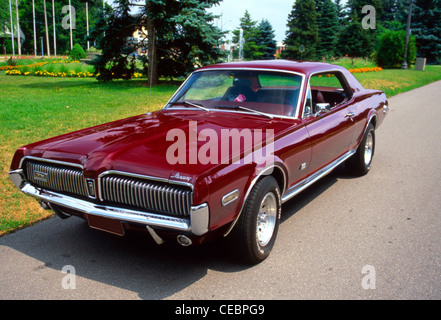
(257, 227)
(360, 163)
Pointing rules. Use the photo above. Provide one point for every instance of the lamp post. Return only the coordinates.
(42, 47)
(409, 18)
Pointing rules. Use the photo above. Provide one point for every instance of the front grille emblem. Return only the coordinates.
(91, 187)
(40, 176)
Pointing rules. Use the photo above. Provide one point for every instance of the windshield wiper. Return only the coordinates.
(247, 109)
(191, 104)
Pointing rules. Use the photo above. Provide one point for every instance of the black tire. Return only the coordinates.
(254, 236)
(360, 163)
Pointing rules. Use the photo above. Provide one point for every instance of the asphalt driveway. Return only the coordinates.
(375, 237)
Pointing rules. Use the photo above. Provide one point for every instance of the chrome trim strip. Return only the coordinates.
(50, 161)
(297, 188)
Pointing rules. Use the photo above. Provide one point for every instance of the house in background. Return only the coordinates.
(138, 40)
(5, 39)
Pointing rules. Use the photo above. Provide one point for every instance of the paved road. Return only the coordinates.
(376, 237)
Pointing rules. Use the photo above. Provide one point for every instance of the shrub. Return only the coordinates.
(11, 62)
(391, 49)
(77, 52)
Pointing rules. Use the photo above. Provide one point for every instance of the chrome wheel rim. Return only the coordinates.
(266, 219)
(368, 149)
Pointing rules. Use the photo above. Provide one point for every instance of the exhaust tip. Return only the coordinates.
(44, 205)
(184, 240)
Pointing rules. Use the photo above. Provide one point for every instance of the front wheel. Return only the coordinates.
(360, 163)
(257, 227)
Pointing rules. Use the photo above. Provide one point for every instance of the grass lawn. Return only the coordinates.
(35, 108)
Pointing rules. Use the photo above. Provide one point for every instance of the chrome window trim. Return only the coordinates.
(302, 84)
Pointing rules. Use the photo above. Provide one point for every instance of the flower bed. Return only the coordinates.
(72, 73)
(363, 70)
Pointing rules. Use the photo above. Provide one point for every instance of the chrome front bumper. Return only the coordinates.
(198, 223)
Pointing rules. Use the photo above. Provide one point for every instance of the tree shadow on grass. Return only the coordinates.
(67, 83)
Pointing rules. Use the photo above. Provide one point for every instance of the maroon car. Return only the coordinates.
(234, 143)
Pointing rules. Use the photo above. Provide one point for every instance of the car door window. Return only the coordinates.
(329, 87)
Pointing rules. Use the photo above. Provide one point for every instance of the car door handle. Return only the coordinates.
(350, 115)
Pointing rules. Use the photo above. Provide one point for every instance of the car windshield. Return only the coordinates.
(262, 92)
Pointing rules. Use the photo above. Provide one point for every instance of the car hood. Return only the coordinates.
(148, 144)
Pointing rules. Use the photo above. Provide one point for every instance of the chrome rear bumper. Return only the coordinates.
(198, 223)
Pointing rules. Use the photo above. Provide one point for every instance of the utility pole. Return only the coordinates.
(409, 19)
(47, 31)
(18, 29)
(35, 33)
(87, 23)
(12, 29)
(53, 21)
(70, 25)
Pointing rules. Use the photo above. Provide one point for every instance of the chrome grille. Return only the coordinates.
(56, 177)
(147, 194)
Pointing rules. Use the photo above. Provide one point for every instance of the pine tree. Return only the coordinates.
(426, 27)
(251, 49)
(115, 61)
(328, 28)
(341, 12)
(302, 31)
(355, 40)
(180, 37)
(266, 40)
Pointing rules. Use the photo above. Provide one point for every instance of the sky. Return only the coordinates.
(275, 11)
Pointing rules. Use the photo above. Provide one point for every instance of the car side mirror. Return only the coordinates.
(321, 108)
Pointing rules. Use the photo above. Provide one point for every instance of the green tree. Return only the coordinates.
(62, 35)
(426, 27)
(354, 39)
(302, 30)
(251, 34)
(391, 49)
(341, 12)
(328, 28)
(180, 36)
(265, 40)
(77, 52)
